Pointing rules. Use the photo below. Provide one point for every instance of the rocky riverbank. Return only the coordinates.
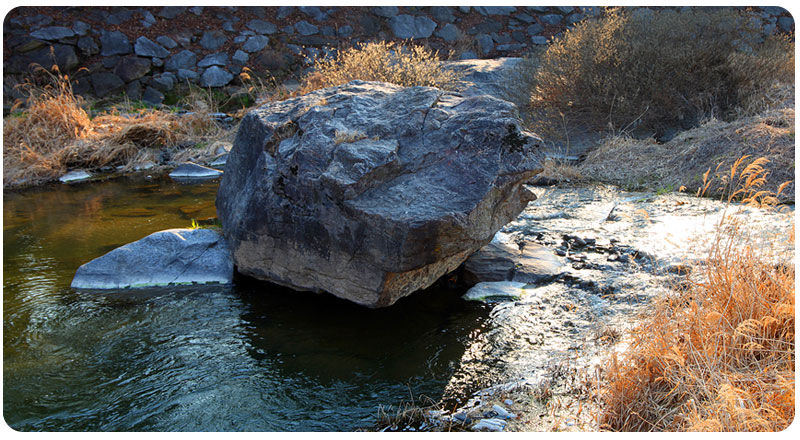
(540, 354)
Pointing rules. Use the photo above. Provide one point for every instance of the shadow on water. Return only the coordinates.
(250, 357)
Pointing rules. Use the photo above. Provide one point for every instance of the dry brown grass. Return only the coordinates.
(55, 133)
(644, 164)
(405, 65)
(655, 69)
(719, 354)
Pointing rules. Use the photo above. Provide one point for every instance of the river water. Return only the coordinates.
(250, 357)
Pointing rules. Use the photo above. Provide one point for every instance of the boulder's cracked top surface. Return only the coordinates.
(371, 191)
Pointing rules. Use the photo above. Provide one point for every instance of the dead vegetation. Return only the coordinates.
(54, 132)
(719, 354)
(404, 65)
(655, 69)
(644, 164)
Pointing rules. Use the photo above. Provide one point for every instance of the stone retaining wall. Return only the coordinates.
(144, 52)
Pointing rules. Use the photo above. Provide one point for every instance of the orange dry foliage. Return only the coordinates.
(719, 355)
(55, 133)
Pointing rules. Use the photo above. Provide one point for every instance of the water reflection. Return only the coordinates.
(251, 357)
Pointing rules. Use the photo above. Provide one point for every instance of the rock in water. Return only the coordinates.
(174, 256)
(371, 191)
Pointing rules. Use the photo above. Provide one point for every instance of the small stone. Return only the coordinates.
(538, 39)
(449, 33)
(313, 12)
(106, 83)
(345, 31)
(240, 57)
(494, 425)
(167, 42)
(305, 28)
(485, 43)
(525, 18)
(510, 47)
(215, 76)
(193, 171)
(442, 14)
(495, 291)
(114, 43)
(408, 26)
(187, 74)
(170, 12)
(255, 43)
(385, 11)
(80, 28)
(88, 46)
(284, 11)
(502, 413)
(574, 18)
(132, 68)
(144, 47)
(196, 10)
(495, 10)
(214, 59)
(163, 82)
(152, 96)
(212, 40)
(75, 176)
(553, 19)
(185, 59)
(262, 27)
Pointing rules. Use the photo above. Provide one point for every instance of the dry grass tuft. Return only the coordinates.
(718, 355)
(408, 66)
(55, 133)
(644, 164)
(653, 70)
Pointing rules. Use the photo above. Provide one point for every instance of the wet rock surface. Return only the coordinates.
(620, 250)
(371, 191)
(174, 256)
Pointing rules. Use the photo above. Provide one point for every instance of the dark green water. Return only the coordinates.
(251, 357)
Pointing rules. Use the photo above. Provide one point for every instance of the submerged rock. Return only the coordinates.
(174, 256)
(193, 171)
(371, 191)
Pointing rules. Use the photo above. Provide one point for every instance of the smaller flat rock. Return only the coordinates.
(496, 291)
(493, 425)
(174, 256)
(74, 176)
(194, 171)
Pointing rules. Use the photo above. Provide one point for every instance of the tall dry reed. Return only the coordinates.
(719, 354)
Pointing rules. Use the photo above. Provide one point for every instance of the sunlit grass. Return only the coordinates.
(719, 354)
(54, 132)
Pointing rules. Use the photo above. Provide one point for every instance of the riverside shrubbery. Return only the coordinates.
(54, 132)
(657, 68)
(404, 65)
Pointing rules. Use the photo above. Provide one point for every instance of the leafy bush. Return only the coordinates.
(382, 61)
(656, 69)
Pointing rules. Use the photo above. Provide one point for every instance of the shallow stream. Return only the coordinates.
(250, 357)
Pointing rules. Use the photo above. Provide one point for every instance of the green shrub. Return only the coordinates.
(656, 69)
(382, 61)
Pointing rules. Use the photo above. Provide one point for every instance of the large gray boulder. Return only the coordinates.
(174, 256)
(371, 191)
